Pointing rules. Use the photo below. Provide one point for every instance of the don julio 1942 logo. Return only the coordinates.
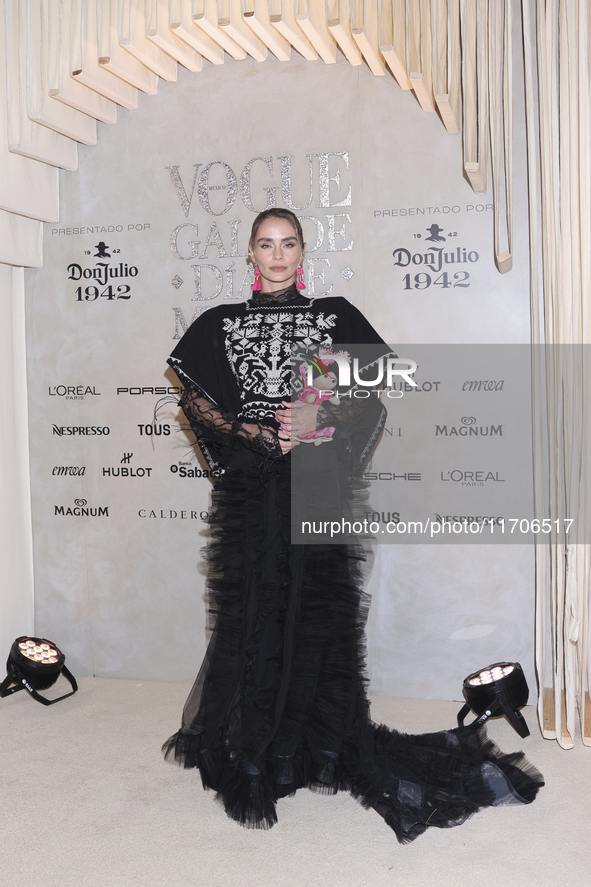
(103, 277)
(441, 262)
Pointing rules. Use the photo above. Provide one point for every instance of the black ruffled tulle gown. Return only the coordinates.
(280, 700)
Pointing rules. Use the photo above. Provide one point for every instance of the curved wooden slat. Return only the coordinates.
(206, 17)
(282, 17)
(27, 187)
(41, 108)
(157, 30)
(365, 29)
(84, 65)
(21, 240)
(474, 90)
(62, 85)
(113, 57)
(231, 20)
(257, 18)
(446, 62)
(24, 135)
(392, 39)
(419, 52)
(132, 37)
(311, 17)
(338, 14)
(182, 24)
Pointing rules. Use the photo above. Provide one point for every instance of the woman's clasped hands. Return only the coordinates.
(294, 420)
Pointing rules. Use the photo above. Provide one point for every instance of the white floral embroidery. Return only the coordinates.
(259, 347)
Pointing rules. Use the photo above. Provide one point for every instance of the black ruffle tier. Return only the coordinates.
(280, 701)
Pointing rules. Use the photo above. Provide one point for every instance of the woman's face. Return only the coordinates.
(277, 252)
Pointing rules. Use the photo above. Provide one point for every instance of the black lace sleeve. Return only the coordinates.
(213, 425)
(358, 423)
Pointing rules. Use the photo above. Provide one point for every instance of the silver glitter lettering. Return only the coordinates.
(245, 185)
(319, 233)
(219, 283)
(325, 179)
(247, 281)
(180, 322)
(286, 187)
(229, 272)
(214, 238)
(333, 231)
(231, 188)
(174, 246)
(312, 277)
(181, 192)
(234, 239)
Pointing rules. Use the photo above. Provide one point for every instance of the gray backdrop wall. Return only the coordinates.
(165, 202)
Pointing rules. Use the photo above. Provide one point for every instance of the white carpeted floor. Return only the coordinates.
(86, 800)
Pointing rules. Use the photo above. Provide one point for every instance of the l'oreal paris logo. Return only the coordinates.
(72, 392)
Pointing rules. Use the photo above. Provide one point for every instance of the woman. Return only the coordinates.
(280, 700)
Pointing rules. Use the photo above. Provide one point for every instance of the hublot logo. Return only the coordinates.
(124, 469)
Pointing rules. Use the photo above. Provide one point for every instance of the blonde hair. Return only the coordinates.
(276, 212)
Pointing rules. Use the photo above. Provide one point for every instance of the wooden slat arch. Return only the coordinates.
(82, 58)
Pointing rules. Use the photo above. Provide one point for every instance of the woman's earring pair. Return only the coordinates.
(256, 287)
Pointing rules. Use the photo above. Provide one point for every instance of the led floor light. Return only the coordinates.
(498, 689)
(35, 664)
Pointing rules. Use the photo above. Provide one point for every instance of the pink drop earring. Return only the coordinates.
(300, 285)
(256, 287)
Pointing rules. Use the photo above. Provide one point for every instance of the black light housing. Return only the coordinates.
(499, 689)
(35, 664)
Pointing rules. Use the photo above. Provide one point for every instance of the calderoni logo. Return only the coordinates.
(73, 392)
(184, 469)
(81, 509)
(81, 430)
(468, 428)
(137, 391)
(171, 514)
(471, 478)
